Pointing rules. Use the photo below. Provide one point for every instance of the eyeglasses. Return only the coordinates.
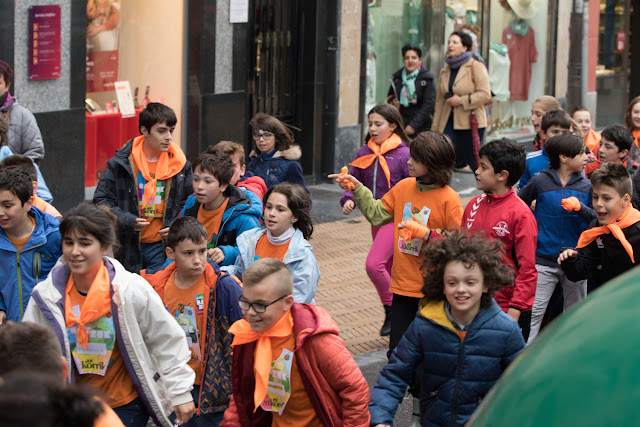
(257, 307)
(264, 135)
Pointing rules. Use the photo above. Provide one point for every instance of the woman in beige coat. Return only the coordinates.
(463, 89)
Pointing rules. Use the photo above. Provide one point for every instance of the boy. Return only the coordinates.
(615, 143)
(582, 117)
(243, 179)
(557, 228)
(27, 165)
(609, 250)
(203, 300)
(29, 243)
(318, 384)
(553, 123)
(145, 185)
(224, 210)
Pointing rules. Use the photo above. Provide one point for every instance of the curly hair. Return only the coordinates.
(470, 249)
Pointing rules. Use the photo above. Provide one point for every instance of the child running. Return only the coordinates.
(539, 108)
(112, 327)
(284, 237)
(461, 336)
(379, 165)
(582, 116)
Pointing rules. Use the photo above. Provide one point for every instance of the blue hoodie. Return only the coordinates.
(241, 215)
(21, 271)
(536, 163)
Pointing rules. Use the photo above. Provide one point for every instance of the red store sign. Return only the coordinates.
(44, 42)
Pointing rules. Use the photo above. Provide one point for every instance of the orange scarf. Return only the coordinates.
(592, 140)
(97, 304)
(636, 137)
(378, 151)
(628, 218)
(169, 164)
(242, 334)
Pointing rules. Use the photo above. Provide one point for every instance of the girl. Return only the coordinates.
(426, 198)
(113, 328)
(461, 336)
(284, 237)
(275, 155)
(539, 108)
(632, 122)
(380, 165)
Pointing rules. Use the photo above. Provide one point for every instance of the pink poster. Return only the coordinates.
(103, 31)
(44, 42)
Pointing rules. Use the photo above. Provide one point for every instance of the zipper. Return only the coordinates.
(20, 296)
(375, 177)
(455, 392)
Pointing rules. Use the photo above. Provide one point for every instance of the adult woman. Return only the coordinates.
(463, 90)
(412, 92)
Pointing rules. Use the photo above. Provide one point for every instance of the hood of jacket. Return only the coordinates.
(292, 153)
(248, 240)
(158, 278)
(309, 320)
(434, 311)
(239, 203)
(45, 225)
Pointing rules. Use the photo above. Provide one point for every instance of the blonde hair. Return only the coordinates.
(548, 103)
(265, 267)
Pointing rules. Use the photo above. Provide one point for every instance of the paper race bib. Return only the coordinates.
(279, 385)
(102, 337)
(188, 323)
(412, 247)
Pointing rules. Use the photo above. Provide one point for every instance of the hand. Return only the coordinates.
(412, 229)
(184, 412)
(92, 30)
(533, 205)
(216, 255)
(410, 130)
(346, 181)
(164, 233)
(454, 100)
(395, 103)
(348, 206)
(571, 204)
(140, 224)
(3, 316)
(514, 313)
(566, 255)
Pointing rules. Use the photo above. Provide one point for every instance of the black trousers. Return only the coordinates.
(403, 311)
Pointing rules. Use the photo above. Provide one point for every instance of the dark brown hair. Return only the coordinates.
(435, 151)
(89, 219)
(627, 114)
(563, 145)
(229, 148)
(470, 249)
(615, 175)
(217, 164)
(391, 115)
(7, 73)
(23, 162)
(186, 228)
(267, 123)
(299, 203)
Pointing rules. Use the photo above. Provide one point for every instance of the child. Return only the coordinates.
(609, 250)
(284, 237)
(557, 228)
(553, 123)
(632, 122)
(460, 335)
(27, 165)
(380, 165)
(203, 301)
(615, 143)
(290, 368)
(112, 327)
(275, 155)
(425, 198)
(29, 243)
(145, 185)
(225, 211)
(582, 117)
(539, 108)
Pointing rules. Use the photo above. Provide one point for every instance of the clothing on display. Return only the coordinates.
(499, 69)
(520, 41)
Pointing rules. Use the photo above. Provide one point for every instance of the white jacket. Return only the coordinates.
(152, 344)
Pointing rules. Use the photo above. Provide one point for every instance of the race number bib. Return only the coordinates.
(188, 323)
(412, 247)
(279, 386)
(102, 337)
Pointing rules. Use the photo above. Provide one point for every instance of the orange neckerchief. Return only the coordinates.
(628, 218)
(97, 304)
(592, 140)
(636, 137)
(242, 334)
(378, 150)
(169, 164)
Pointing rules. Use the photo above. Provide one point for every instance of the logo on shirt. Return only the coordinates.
(474, 211)
(501, 229)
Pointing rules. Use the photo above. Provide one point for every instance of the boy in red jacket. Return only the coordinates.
(289, 365)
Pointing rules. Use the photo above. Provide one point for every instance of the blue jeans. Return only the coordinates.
(203, 420)
(152, 255)
(463, 144)
(133, 414)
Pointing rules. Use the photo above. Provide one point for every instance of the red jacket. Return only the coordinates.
(508, 219)
(336, 388)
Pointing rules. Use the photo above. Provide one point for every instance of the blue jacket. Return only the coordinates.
(557, 228)
(43, 191)
(21, 271)
(457, 374)
(241, 215)
(298, 258)
(278, 166)
(536, 163)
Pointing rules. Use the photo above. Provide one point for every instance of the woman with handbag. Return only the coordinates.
(463, 91)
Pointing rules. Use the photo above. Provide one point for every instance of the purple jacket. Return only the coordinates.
(396, 160)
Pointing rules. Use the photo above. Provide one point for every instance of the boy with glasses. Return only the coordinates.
(319, 384)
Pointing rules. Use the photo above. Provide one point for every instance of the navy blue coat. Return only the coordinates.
(457, 373)
(278, 166)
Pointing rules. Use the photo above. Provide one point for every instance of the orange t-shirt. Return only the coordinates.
(212, 221)
(592, 140)
(440, 206)
(44, 206)
(19, 243)
(176, 299)
(266, 249)
(116, 384)
(299, 410)
(153, 211)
